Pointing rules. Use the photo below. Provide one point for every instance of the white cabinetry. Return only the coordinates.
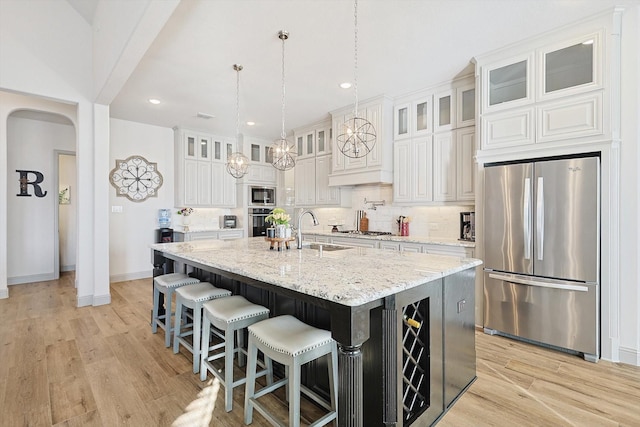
(435, 145)
(223, 234)
(375, 167)
(200, 174)
(548, 94)
(311, 174)
(260, 169)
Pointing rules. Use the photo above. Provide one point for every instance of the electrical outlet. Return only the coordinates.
(116, 209)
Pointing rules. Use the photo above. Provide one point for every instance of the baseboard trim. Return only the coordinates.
(102, 299)
(19, 280)
(630, 356)
(130, 276)
(4, 293)
(67, 268)
(85, 301)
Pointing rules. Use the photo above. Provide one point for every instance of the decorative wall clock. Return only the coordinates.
(135, 178)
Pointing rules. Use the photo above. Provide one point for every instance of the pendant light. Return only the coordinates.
(358, 136)
(282, 151)
(237, 163)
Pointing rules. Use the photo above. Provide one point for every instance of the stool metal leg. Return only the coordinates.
(156, 309)
(251, 382)
(167, 318)
(294, 394)
(177, 326)
(228, 367)
(195, 345)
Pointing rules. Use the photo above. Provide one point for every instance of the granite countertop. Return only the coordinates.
(351, 277)
(394, 238)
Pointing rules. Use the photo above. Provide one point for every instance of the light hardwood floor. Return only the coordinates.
(101, 366)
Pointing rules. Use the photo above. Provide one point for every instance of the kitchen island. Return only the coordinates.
(390, 373)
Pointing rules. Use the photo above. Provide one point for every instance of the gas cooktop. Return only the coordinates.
(366, 233)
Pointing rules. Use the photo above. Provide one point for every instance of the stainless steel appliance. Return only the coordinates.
(542, 252)
(228, 221)
(468, 226)
(257, 224)
(262, 196)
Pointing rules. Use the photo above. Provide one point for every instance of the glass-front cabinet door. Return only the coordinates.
(507, 84)
(300, 145)
(570, 67)
(466, 105)
(190, 142)
(401, 121)
(323, 141)
(422, 116)
(444, 111)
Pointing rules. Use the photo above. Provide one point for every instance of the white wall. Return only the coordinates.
(131, 231)
(67, 218)
(31, 223)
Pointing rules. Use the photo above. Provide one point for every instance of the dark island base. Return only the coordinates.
(409, 375)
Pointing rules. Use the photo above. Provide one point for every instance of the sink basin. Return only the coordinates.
(324, 247)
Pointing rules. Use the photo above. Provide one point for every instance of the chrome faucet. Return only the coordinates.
(315, 222)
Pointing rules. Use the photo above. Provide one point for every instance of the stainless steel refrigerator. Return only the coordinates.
(542, 252)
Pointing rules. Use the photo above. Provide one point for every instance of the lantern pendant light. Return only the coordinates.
(282, 151)
(237, 163)
(358, 136)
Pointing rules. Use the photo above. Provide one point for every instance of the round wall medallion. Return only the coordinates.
(135, 178)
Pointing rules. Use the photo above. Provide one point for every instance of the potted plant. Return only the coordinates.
(279, 218)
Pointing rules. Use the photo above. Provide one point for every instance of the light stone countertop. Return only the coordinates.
(393, 238)
(350, 277)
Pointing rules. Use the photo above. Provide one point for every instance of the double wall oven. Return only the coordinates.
(261, 201)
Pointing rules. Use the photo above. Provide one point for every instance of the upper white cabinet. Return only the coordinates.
(311, 174)
(200, 172)
(434, 147)
(261, 170)
(551, 93)
(375, 167)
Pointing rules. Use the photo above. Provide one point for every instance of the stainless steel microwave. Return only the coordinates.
(262, 196)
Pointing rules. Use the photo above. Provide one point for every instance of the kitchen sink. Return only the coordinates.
(324, 247)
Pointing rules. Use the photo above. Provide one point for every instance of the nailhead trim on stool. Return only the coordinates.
(228, 316)
(293, 343)
(167, 284)
(193, 297)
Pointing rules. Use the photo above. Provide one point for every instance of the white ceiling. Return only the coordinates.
(404, 46)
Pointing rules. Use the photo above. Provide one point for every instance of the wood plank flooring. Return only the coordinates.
(101, 366)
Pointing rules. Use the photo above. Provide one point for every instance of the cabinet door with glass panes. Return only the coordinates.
(444, 110)
(466, 105)
(507, 83)
(414, 118)
(324, 136)
(197, 147)
(570, 67)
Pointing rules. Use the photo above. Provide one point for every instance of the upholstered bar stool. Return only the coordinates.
(293, 343)
(227, 318)
(167, 284)
(193, 297)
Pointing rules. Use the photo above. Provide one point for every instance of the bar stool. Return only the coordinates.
(166, 284)
(193, 297)
(293, 343)
(228, 316)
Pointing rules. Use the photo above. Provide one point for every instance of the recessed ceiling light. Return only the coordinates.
(154, 101)
(251, 123)
(345, 85)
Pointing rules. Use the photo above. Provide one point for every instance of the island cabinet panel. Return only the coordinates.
(392, 371)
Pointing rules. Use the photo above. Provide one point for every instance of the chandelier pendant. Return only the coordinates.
(357, 136)
(237, 163)
(282, 151)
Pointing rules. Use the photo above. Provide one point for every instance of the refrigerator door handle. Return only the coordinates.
(532, 282)
(526, 220)
(540, 218)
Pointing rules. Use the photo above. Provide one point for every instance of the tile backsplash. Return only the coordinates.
(426, 221)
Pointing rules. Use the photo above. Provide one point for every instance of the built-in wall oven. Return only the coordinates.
(257, 224)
